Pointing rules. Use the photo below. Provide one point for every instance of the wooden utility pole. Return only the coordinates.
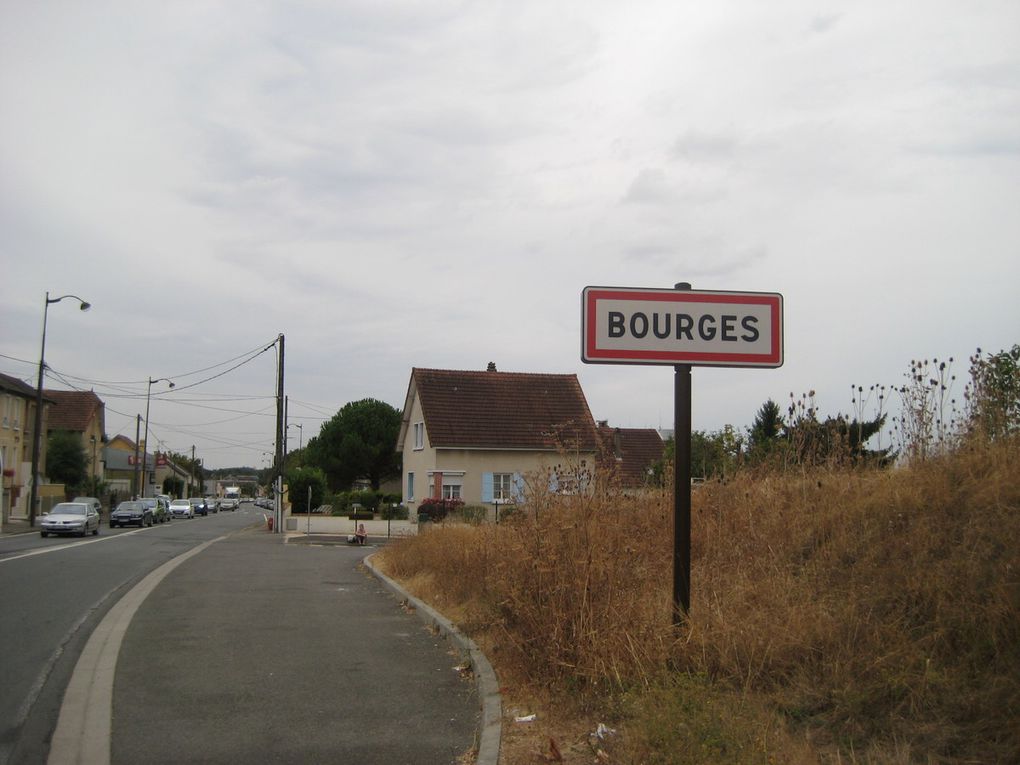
(280, 435)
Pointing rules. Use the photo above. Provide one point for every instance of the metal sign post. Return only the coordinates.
(682, 395)
(683, 328)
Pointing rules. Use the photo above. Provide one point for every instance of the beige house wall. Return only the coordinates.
(18, 419)
(416, 462)
(93, 450)
(466, 466)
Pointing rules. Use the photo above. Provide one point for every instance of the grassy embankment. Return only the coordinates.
(852, 616)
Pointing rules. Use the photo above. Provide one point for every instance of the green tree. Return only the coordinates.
(713, 454)
(194, 469)
(766, 431)
(359, 442)
(810, 441)
(299, 481)
(173, 486)
(993, 393)
(66, 460)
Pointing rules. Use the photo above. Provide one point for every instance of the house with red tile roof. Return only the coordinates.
(630, 453)
(84, 413)
(477, 436)
(17, 419)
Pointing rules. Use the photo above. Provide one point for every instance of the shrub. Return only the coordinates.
(394, 512)
(473, 514)
(367, 498)
(436, 509)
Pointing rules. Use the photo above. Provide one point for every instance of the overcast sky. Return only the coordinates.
(433, 184)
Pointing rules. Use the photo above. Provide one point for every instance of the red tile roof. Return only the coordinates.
(74, 409)
(504, 410)
(632, 451)
(16, 386)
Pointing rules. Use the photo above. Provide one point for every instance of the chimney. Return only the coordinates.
(491, 367)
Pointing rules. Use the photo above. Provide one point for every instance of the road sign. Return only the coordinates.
(636, 325)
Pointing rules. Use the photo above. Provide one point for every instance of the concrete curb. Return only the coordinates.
(490, 728)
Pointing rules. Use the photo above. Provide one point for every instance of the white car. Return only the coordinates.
(228, 503)
(181, 508)
(70, 518)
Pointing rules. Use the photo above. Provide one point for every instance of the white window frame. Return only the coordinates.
(419, 436)
(502, 487)
(452, 490)
(410, 486)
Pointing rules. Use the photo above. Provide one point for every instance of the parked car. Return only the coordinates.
(131, 513)
(213, 504)
(95, 503)
(160, 508)
(199, 506)
(70, 518)
(181, 508)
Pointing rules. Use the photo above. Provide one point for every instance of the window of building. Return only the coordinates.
(419, 435)
(502, 487)
(410, 487)
(451, 491)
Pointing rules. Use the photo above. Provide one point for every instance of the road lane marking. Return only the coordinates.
(69, 545)
(85, 725)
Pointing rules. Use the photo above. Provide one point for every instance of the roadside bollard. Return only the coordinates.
(269, 522)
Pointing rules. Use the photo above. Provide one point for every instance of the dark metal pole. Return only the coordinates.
(280, 435)
(37, 428)
(145, 451)
(145, 447)
(138, 465)
(37, 434)
(681, 488)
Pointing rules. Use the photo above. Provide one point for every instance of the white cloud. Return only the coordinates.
(403, 184)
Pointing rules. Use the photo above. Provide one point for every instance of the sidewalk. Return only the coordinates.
(288, 653)
(16, 526)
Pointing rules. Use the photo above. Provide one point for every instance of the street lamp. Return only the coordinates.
(94, 481)
(36, 433)
(301, 432)
(145, 451)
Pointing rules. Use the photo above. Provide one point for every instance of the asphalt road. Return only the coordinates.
(249, 651)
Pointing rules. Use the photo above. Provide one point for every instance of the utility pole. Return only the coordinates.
(138, 465)
(280, 435)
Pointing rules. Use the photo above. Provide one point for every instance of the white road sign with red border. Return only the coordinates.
(636, 325)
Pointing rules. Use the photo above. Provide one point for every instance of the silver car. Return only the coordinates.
(70, 518)
(181, 508)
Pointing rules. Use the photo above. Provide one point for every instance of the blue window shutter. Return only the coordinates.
(486, 487)
(554, 483)
(518, 487)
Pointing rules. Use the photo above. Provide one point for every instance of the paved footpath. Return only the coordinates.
(258, 651)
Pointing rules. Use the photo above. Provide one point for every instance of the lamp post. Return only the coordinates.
(301, 432)
(94, 481)
(36, 432)
(145, 451)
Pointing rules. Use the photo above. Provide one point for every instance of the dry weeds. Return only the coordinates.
(837, 616)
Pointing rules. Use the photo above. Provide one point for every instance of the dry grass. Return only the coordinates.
(837, 615)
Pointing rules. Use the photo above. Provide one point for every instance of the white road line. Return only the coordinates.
(55, 548)
(85, 724)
